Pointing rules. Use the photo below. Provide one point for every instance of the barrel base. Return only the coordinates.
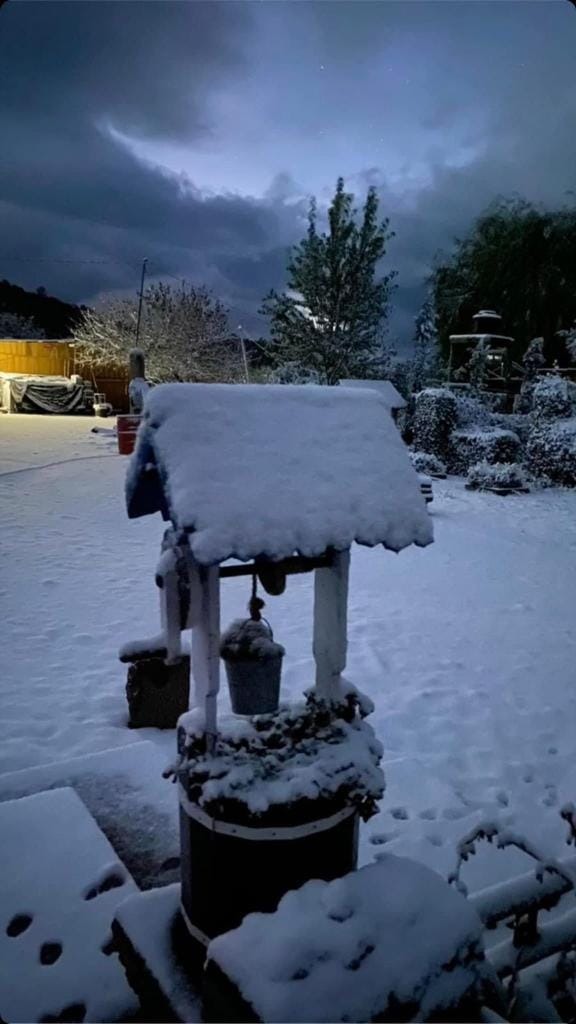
(227, 876)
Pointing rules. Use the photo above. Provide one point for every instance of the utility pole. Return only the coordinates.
(244, 358)
(144, 263)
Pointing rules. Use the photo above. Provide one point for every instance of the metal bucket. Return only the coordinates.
(254, 684)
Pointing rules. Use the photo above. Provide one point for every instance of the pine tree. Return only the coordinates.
(331, 321)
(425, 346)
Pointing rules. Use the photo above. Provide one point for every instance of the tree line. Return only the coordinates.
(332, 319)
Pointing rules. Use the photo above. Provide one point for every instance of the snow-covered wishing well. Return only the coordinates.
(281, 480)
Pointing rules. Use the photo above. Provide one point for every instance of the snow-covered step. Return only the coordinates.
(155, 950)
(60, 883)
(124, 791)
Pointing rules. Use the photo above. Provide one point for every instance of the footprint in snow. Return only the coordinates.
(399, 813)
(430, 814)
(110, 880)
(18, 925)
(551, 797)
(50, 952)
(455, 813)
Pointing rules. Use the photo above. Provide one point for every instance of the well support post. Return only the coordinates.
(331, 624)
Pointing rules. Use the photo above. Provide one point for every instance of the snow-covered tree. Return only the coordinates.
(570, 341)
(20, 327)
(184, 335)
(331, 320)
(425, 358)
(533, 358)
(293, 373)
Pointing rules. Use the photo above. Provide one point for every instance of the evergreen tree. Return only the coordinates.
(331, 321)
(425, 359)
(518, 259)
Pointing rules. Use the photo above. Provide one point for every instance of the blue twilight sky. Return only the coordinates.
(193, 133)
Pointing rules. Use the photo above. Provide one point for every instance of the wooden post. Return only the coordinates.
(170, 600)
(205, 661)
(330, 624)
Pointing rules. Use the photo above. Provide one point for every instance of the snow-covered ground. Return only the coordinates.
(468, 647)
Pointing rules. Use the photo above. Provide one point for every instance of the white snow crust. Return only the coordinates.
(273, 470)
(338, 951)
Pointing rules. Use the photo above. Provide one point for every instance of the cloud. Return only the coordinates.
(72, 191)
(192, 133)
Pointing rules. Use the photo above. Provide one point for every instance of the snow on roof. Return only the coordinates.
(385, 388)
(346, 950)
(273, 470)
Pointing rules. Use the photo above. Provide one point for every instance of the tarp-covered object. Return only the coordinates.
(25, 393)
(272, 470)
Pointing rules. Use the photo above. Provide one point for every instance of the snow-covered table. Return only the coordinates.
(60, 883)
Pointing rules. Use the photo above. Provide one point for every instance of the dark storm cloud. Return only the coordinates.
(442, 105)
(147, 66)
(71, 191)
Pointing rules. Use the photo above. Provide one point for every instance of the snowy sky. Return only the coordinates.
(193, 133)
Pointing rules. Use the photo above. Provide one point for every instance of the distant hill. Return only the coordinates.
(54, 317)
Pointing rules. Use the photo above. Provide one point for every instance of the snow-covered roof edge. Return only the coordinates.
(385, 389)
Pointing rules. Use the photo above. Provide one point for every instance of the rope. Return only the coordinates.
(255, 604)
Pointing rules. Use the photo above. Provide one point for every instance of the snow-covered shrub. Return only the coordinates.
(523, 400)
(424, 462)
(492, 445)
(551, 451)
(519, 423)
(482, 476)
(471, 410)
(493, 401)
(283, 767)
(553, 398)
(434, 420)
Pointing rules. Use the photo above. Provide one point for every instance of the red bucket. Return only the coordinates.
(126, 429)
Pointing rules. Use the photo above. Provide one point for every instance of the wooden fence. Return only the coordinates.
(41, 358)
